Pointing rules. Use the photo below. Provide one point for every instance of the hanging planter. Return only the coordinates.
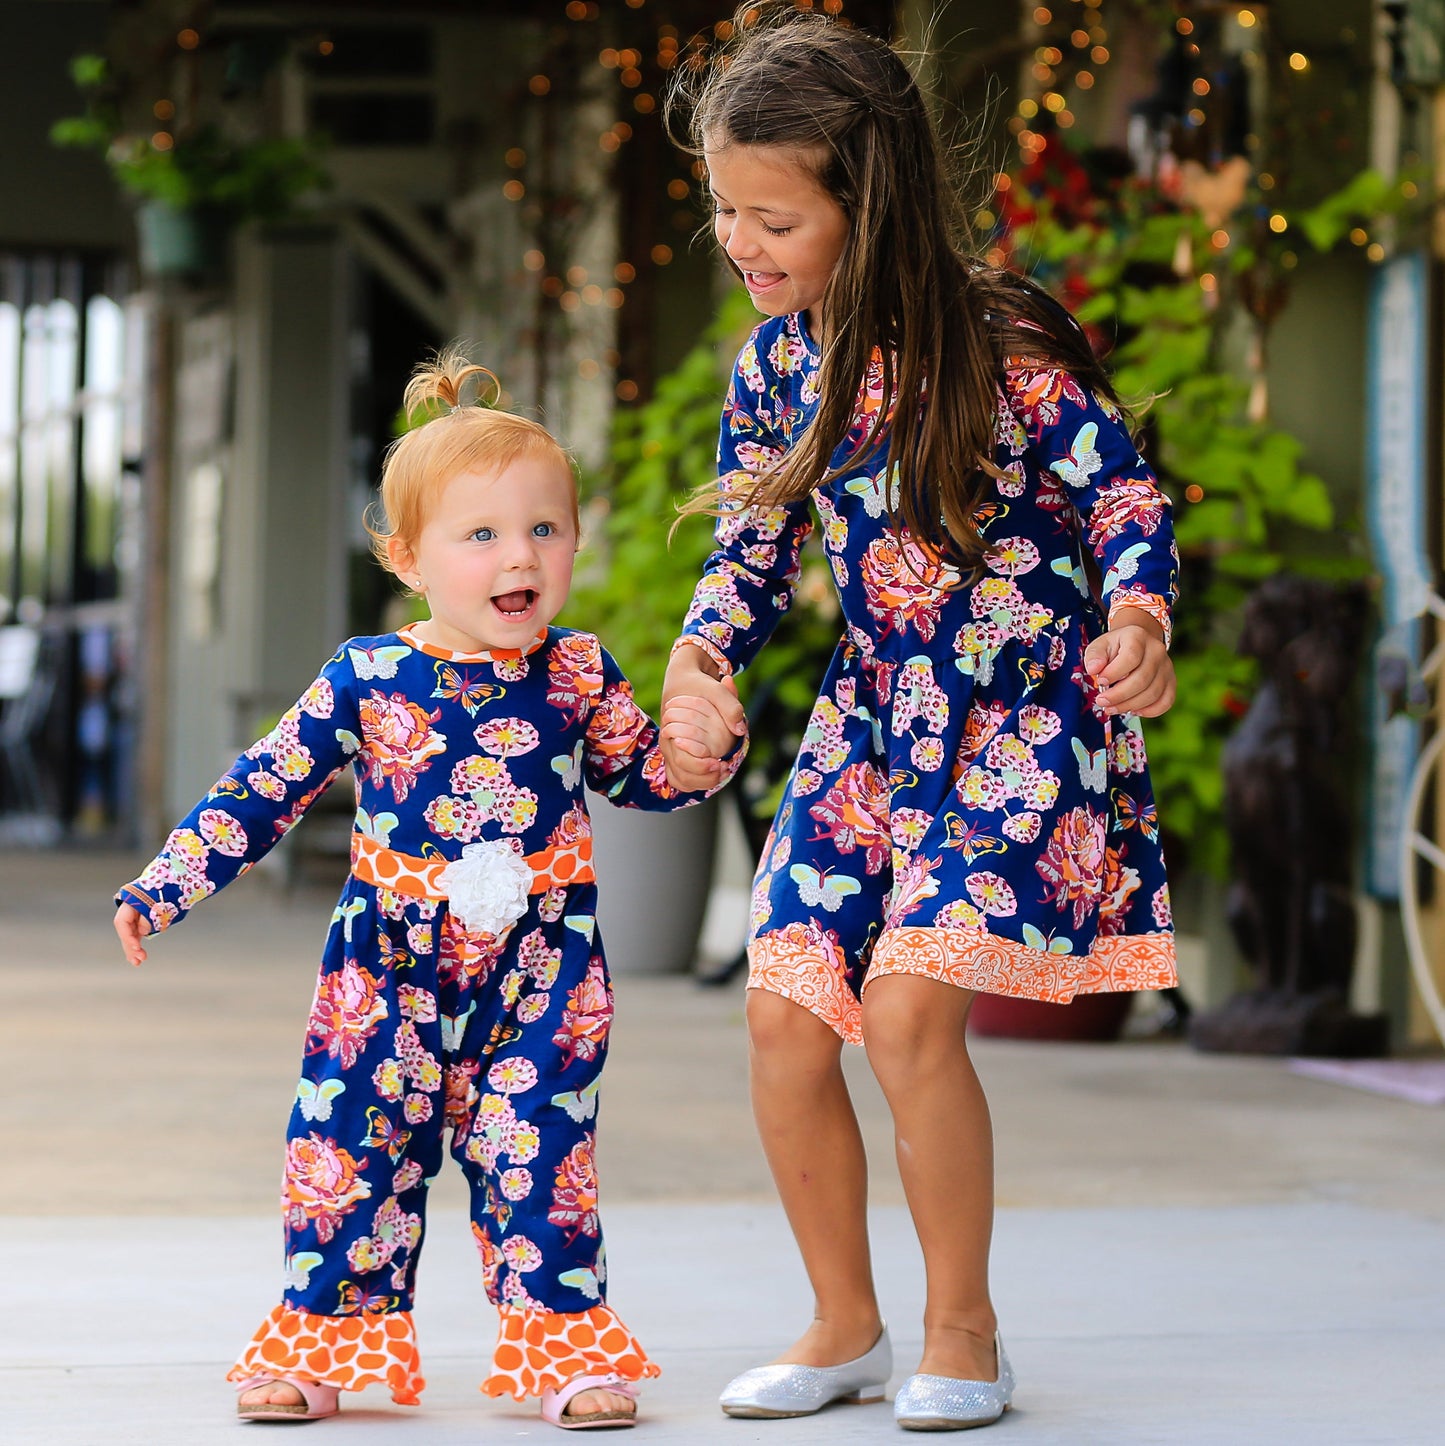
(181, 241)
(192, 184)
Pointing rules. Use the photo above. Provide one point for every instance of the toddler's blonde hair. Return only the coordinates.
(476, 437)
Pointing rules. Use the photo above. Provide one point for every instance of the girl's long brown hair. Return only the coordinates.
(906, 284)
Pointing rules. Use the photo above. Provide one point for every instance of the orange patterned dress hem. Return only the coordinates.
(539, 1350)
(348, 1352)
(806, 965)
(971, 959)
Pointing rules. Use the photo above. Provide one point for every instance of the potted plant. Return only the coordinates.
(193, 185)
(635, 593)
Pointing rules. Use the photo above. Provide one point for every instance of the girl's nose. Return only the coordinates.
(740, 245)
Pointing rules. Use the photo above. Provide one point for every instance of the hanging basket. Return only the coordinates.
(176, 241)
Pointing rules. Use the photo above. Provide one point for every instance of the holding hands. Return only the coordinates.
(1131, 666)
(702, 720)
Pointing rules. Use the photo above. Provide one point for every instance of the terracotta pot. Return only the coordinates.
(1097, 1017)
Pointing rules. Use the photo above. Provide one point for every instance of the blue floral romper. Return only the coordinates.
(425, 1024)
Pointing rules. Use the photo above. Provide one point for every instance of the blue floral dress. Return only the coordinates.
(423, 1021)
(960, 808)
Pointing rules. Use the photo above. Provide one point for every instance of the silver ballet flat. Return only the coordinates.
(771, 1392)
(941, 1403)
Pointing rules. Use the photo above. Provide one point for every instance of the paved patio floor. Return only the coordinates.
(1189, 1249)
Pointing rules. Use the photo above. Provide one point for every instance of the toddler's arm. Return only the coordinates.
(249, 808)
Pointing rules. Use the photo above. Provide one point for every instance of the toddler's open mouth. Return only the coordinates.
(516, 606)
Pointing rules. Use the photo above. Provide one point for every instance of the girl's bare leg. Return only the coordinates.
(815, 1151)
(914, 1029)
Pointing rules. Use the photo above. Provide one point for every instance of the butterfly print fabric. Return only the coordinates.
(419, 1027)
(960, 807)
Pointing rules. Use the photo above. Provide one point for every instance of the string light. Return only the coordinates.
(1099, 55)
(569, 301)
(1201, 86)
(1194, 492)
(587, 369)
(1359, 235)
(644, 104)
(539, 85)
(1028, 109)
(163, 110)
(533, 260)
(516, 158)
(1246, 18)
(1289, 261)
(1184, 25)
(1220, 239)
(624, 272)
(1084, 80)
(514, 190)
(162, 141)
(1066, 118)
(1043, 15)
(576, 275)
(661, 254)
(626, 391)
(1299, 61)
(1375, 251)
(188, 39)
(678, 189)
(592, 293)
(1278, 224)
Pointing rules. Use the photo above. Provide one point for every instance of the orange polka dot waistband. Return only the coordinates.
(421, 878)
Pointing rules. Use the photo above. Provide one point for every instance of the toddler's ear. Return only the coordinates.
(400, 556)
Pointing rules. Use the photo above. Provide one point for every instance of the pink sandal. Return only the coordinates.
(554, 1404)
(321, 1401)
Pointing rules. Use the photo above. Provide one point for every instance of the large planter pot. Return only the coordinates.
(181, 242)
(653, 874)
(1091, 1017)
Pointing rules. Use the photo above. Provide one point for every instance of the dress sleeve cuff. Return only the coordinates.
(696, 640)
(1143, 602)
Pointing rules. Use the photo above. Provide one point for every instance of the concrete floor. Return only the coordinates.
(1190, 1249)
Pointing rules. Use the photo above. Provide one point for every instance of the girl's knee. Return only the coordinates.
(908, 1021)
(782, 1033)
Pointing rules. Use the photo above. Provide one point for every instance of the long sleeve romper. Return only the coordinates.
(418, 1024)
(960, 807)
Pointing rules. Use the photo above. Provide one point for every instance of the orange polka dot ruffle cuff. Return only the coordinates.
(349, 1352)
(540, 1350)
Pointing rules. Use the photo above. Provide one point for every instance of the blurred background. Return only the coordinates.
(229, 230)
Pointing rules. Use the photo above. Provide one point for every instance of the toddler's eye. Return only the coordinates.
(483, 534)
(543, 529)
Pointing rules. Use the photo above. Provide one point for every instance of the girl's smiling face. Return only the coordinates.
(494, 557)
(779, 227)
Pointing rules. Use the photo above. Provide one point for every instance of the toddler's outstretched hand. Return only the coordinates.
(132, 926)
(1131, 667)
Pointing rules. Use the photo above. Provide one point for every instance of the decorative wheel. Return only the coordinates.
(1417, 847)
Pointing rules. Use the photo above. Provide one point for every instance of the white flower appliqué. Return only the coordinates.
(488, 887)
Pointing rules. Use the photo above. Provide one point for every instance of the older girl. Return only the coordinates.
(970, 810)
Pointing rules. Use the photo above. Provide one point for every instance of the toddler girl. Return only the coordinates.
(463, 984)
